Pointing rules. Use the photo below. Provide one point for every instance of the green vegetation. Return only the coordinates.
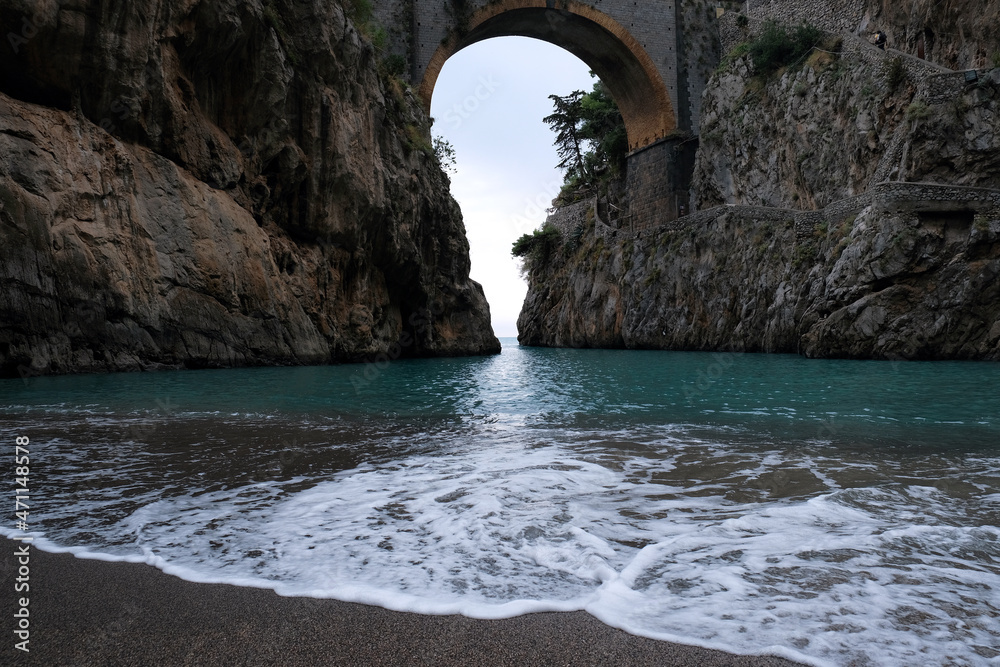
(628, 251)
(917, 111)
(537, 247)
(653, 277)
(826, 55)
(360, 12)
(393, 65)
(415, 139)
(445, 154)
(805, 253)
(728, 59)
(574, 241)
(841, 246)
(896, 74)
(996, 59)
(362, 15)
(778, 47)
(590, 140)
(460, 11)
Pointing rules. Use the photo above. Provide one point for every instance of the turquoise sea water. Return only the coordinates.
(830, 511)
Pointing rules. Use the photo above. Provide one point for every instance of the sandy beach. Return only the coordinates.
(86, 612)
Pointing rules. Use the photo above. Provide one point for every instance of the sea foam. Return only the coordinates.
(511, 527)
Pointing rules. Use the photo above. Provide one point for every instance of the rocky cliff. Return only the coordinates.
(958, 34)
(204, 184)
(811, 135)
(809, 241)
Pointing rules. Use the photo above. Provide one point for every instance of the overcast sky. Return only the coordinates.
(489, 102)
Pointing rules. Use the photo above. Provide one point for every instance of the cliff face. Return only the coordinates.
(958, 34)
(218, 183)
(908, 285)
(904, 271)
(835, 127)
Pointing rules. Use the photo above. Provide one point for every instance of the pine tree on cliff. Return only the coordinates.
(590, 140)
(565, 122)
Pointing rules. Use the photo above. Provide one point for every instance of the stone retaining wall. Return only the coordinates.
(890, 195)
(853, 46)
(568, 218)
(929, 196)
(838, 16)
(947, 86)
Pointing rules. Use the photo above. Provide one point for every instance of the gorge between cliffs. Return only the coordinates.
(335, 461)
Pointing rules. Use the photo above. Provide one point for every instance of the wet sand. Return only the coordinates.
(86, 612)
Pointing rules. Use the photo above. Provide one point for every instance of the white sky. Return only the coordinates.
(489, 102)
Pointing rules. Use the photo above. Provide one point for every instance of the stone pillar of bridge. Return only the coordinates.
(632, 46)
(658, 181)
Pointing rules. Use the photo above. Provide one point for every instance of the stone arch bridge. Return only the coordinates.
(631, 45)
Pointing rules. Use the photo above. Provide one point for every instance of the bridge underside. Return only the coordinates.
(604, 45)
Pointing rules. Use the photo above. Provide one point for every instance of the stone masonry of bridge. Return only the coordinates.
(643, 53)
(631, 46)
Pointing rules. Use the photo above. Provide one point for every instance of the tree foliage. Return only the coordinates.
(537, 246)
(445, 154)
(777, 46)
(565, 121)
(604, 128)
(590, 140)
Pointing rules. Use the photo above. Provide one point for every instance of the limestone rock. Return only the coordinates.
(761, 269)
(882, 284)
(218, 184)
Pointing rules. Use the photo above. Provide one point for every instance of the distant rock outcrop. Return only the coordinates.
(205, 184)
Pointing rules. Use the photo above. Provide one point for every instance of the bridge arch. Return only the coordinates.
(602, 43)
